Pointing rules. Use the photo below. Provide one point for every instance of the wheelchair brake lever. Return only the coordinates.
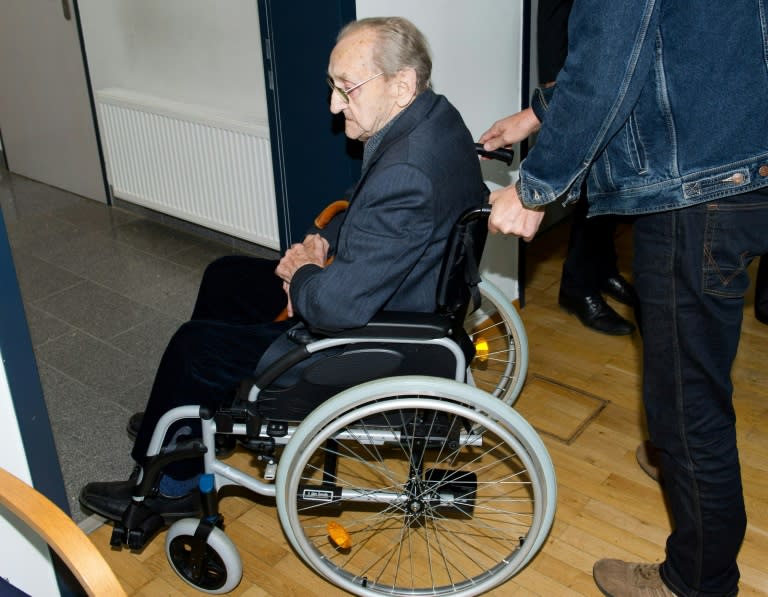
(505, 155)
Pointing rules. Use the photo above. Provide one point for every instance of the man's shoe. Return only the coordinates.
(623, 579)
(108, 499)
(225, 444)
(134, 423)
(111, 499)
(648, 459)
(595, 313)
(618, 288)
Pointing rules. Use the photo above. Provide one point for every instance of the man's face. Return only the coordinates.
(371, 105)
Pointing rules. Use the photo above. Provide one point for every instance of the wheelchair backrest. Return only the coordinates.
(460, 272)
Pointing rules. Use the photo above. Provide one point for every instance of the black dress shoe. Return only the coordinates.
(596, 314)
(225, 444)
(134, 423)
(107, 499)
(111, 500)
(621, 290)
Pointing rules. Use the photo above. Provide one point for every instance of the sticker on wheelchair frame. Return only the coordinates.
(316, 494)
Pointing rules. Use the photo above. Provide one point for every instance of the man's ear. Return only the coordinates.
(406, 86)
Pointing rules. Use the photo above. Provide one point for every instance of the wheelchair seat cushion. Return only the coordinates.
(297, 392)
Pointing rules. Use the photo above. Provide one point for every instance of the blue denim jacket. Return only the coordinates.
(661, 104)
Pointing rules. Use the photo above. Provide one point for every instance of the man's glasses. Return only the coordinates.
(344, 93)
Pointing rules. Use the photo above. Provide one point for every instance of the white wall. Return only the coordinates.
(209, 53)
(191, 51)
(477, 64)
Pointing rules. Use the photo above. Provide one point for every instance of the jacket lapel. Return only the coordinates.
(409, 119)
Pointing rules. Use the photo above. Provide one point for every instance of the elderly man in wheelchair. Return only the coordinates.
(342, 369)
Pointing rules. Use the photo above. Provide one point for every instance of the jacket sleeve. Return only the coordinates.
(542, 97)
(387, 230)
(610, 52)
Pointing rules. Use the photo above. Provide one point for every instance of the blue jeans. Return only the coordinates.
(690, 273)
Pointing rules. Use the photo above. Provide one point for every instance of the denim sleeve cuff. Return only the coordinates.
(530, 198)
(534, 194)
(542, 96)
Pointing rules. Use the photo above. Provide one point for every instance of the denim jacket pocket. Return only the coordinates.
(635, 148)
(624, 158)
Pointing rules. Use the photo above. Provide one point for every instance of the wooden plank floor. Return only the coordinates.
(583, 395)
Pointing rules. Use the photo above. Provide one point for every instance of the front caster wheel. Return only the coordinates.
(210, 564)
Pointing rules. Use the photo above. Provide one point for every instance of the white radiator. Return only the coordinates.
(190, 162)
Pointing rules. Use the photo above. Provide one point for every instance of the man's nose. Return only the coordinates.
(337, 104)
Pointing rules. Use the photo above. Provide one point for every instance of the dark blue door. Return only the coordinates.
(312, 161)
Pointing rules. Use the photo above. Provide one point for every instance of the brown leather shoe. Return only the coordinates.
(648, 459)
(624, 579)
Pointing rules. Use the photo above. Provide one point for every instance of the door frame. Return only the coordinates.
(313, 161)
(92, 102)
(27, 400)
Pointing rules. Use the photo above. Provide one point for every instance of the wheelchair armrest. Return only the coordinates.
(261, 381)
(395, 324)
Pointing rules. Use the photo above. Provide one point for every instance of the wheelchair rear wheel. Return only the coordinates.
(415, 486)
(501, 345)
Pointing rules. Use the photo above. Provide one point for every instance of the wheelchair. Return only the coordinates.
(397, 463)
(500, 364)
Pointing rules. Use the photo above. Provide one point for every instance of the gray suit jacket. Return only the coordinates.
(423, 175)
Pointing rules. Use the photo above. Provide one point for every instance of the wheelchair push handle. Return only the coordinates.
(502, 154)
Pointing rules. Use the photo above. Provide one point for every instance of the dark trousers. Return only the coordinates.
(761, 290)
(591, 257)
(690, 274)
(231, 327)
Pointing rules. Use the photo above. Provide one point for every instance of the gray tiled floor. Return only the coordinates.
(104, 289)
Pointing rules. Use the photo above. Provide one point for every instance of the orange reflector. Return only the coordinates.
(481, 349)
(339, 535)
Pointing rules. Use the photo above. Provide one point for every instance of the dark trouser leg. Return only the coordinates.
(240, 289)
(590, 261)
(761, 291)
(591, 254)
(208, 357)
(203, 364)
(690, 274)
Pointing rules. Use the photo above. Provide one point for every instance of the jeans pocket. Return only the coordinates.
(728, 251)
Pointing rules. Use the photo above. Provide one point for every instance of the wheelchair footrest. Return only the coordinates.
(137, 528)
